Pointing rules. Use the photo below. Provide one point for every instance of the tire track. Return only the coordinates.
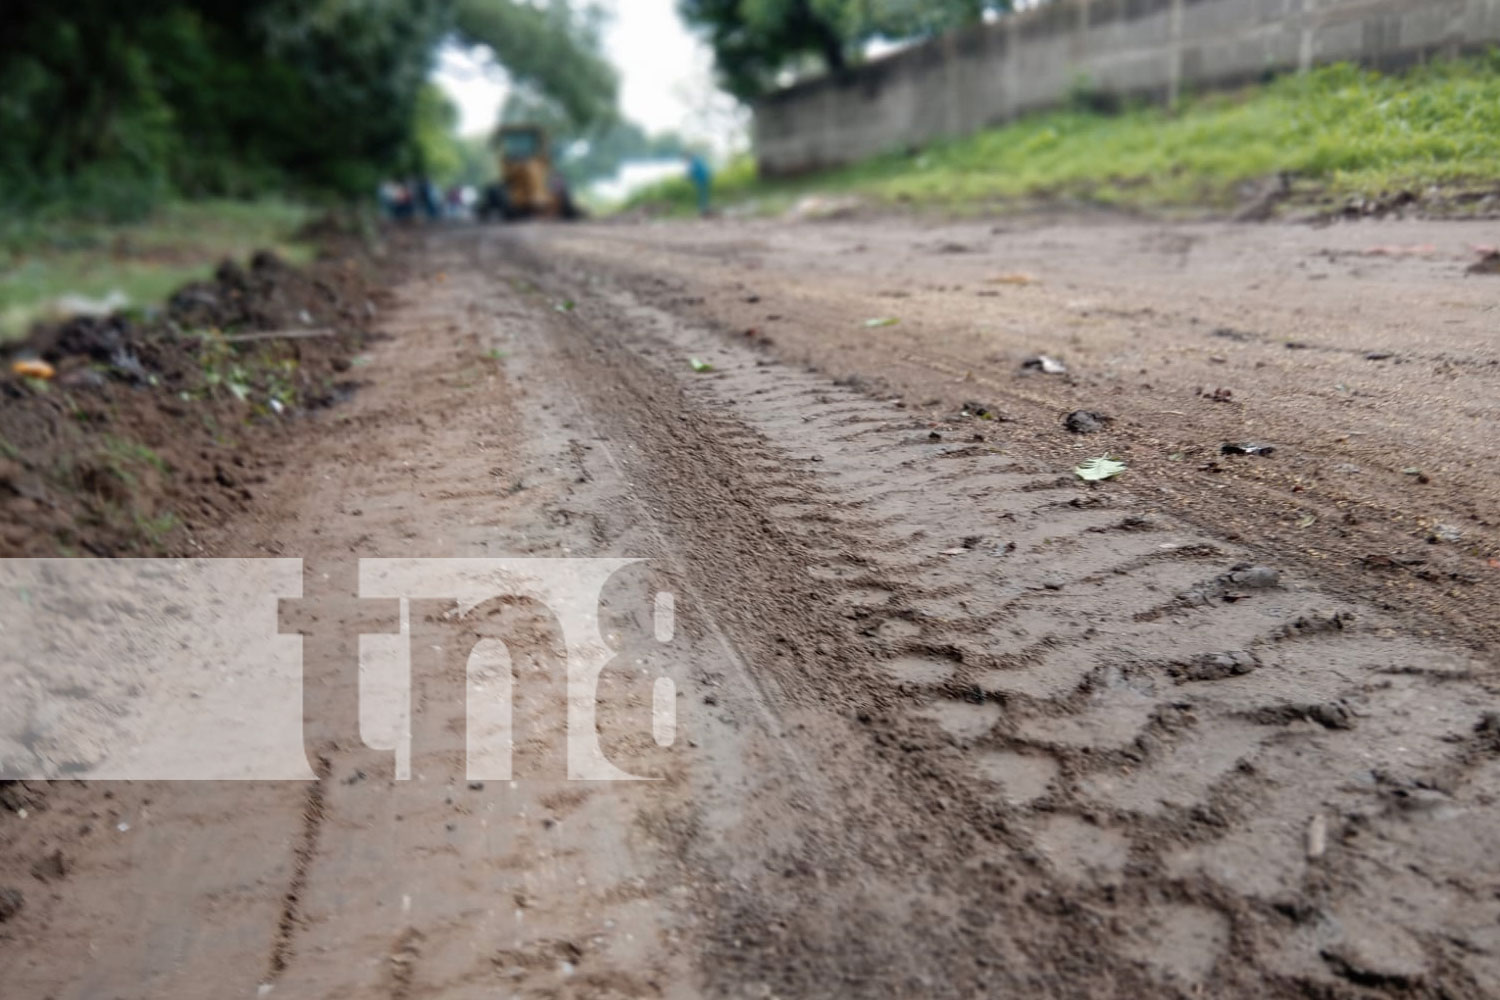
(1071, 668)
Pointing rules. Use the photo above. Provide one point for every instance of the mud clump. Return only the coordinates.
(15, 796)
(1239, 583)
(51, 868)
(268, 295)
(1329, 715)
(125, 450)
(1216, 666)
(11, 902)
(1316, 623)
(1487, 730)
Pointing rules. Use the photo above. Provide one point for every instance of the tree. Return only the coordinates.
(755, 40)
(758, 43)
(110, 104)
(439, 152)
(553, 50)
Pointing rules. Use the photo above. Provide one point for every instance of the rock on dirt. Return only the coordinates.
(1086, 422)
(983, 411)
(1246, 448)
(1255, 577)
(1044, 364)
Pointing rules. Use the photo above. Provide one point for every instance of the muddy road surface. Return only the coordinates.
(949, 721)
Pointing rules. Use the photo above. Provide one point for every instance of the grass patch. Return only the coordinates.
(1339, 131)
(44, 259)
(126, 454)
(736, 184)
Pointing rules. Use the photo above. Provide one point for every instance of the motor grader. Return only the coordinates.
(528, 187)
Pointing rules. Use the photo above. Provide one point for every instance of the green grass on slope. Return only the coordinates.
(1338, 130)
(42, 261)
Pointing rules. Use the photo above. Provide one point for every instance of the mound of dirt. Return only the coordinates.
(153, 428)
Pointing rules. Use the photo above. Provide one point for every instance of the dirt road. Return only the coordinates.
(950, 722)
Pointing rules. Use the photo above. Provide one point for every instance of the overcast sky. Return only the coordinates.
(665, 75)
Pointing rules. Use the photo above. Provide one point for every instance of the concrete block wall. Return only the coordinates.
(1154, 49)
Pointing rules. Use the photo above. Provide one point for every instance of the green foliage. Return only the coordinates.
(550, 47)
(1337, 131)
(127, 455)
(921, 18)
(109, 105)
(106, 107)
(439, 149)
(347, 78)
(476, 162)
(1349, 130)
(756, 42)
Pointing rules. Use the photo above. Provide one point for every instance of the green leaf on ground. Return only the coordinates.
(1095, 469)
(699, 365)
(882, 321)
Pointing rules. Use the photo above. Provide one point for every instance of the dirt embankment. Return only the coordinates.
(148, 431)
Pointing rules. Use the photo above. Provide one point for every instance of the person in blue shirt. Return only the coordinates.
(703, 179)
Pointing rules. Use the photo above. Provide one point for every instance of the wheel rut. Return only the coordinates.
(935, 608)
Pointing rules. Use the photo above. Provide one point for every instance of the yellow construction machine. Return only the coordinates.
(528, 187)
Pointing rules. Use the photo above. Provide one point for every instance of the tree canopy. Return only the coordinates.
(553, 50)
(111, 103)
(757, 43)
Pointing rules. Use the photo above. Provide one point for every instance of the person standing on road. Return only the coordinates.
(427, 198)
(703, 179)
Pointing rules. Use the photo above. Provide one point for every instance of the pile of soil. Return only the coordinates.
(153, 429)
